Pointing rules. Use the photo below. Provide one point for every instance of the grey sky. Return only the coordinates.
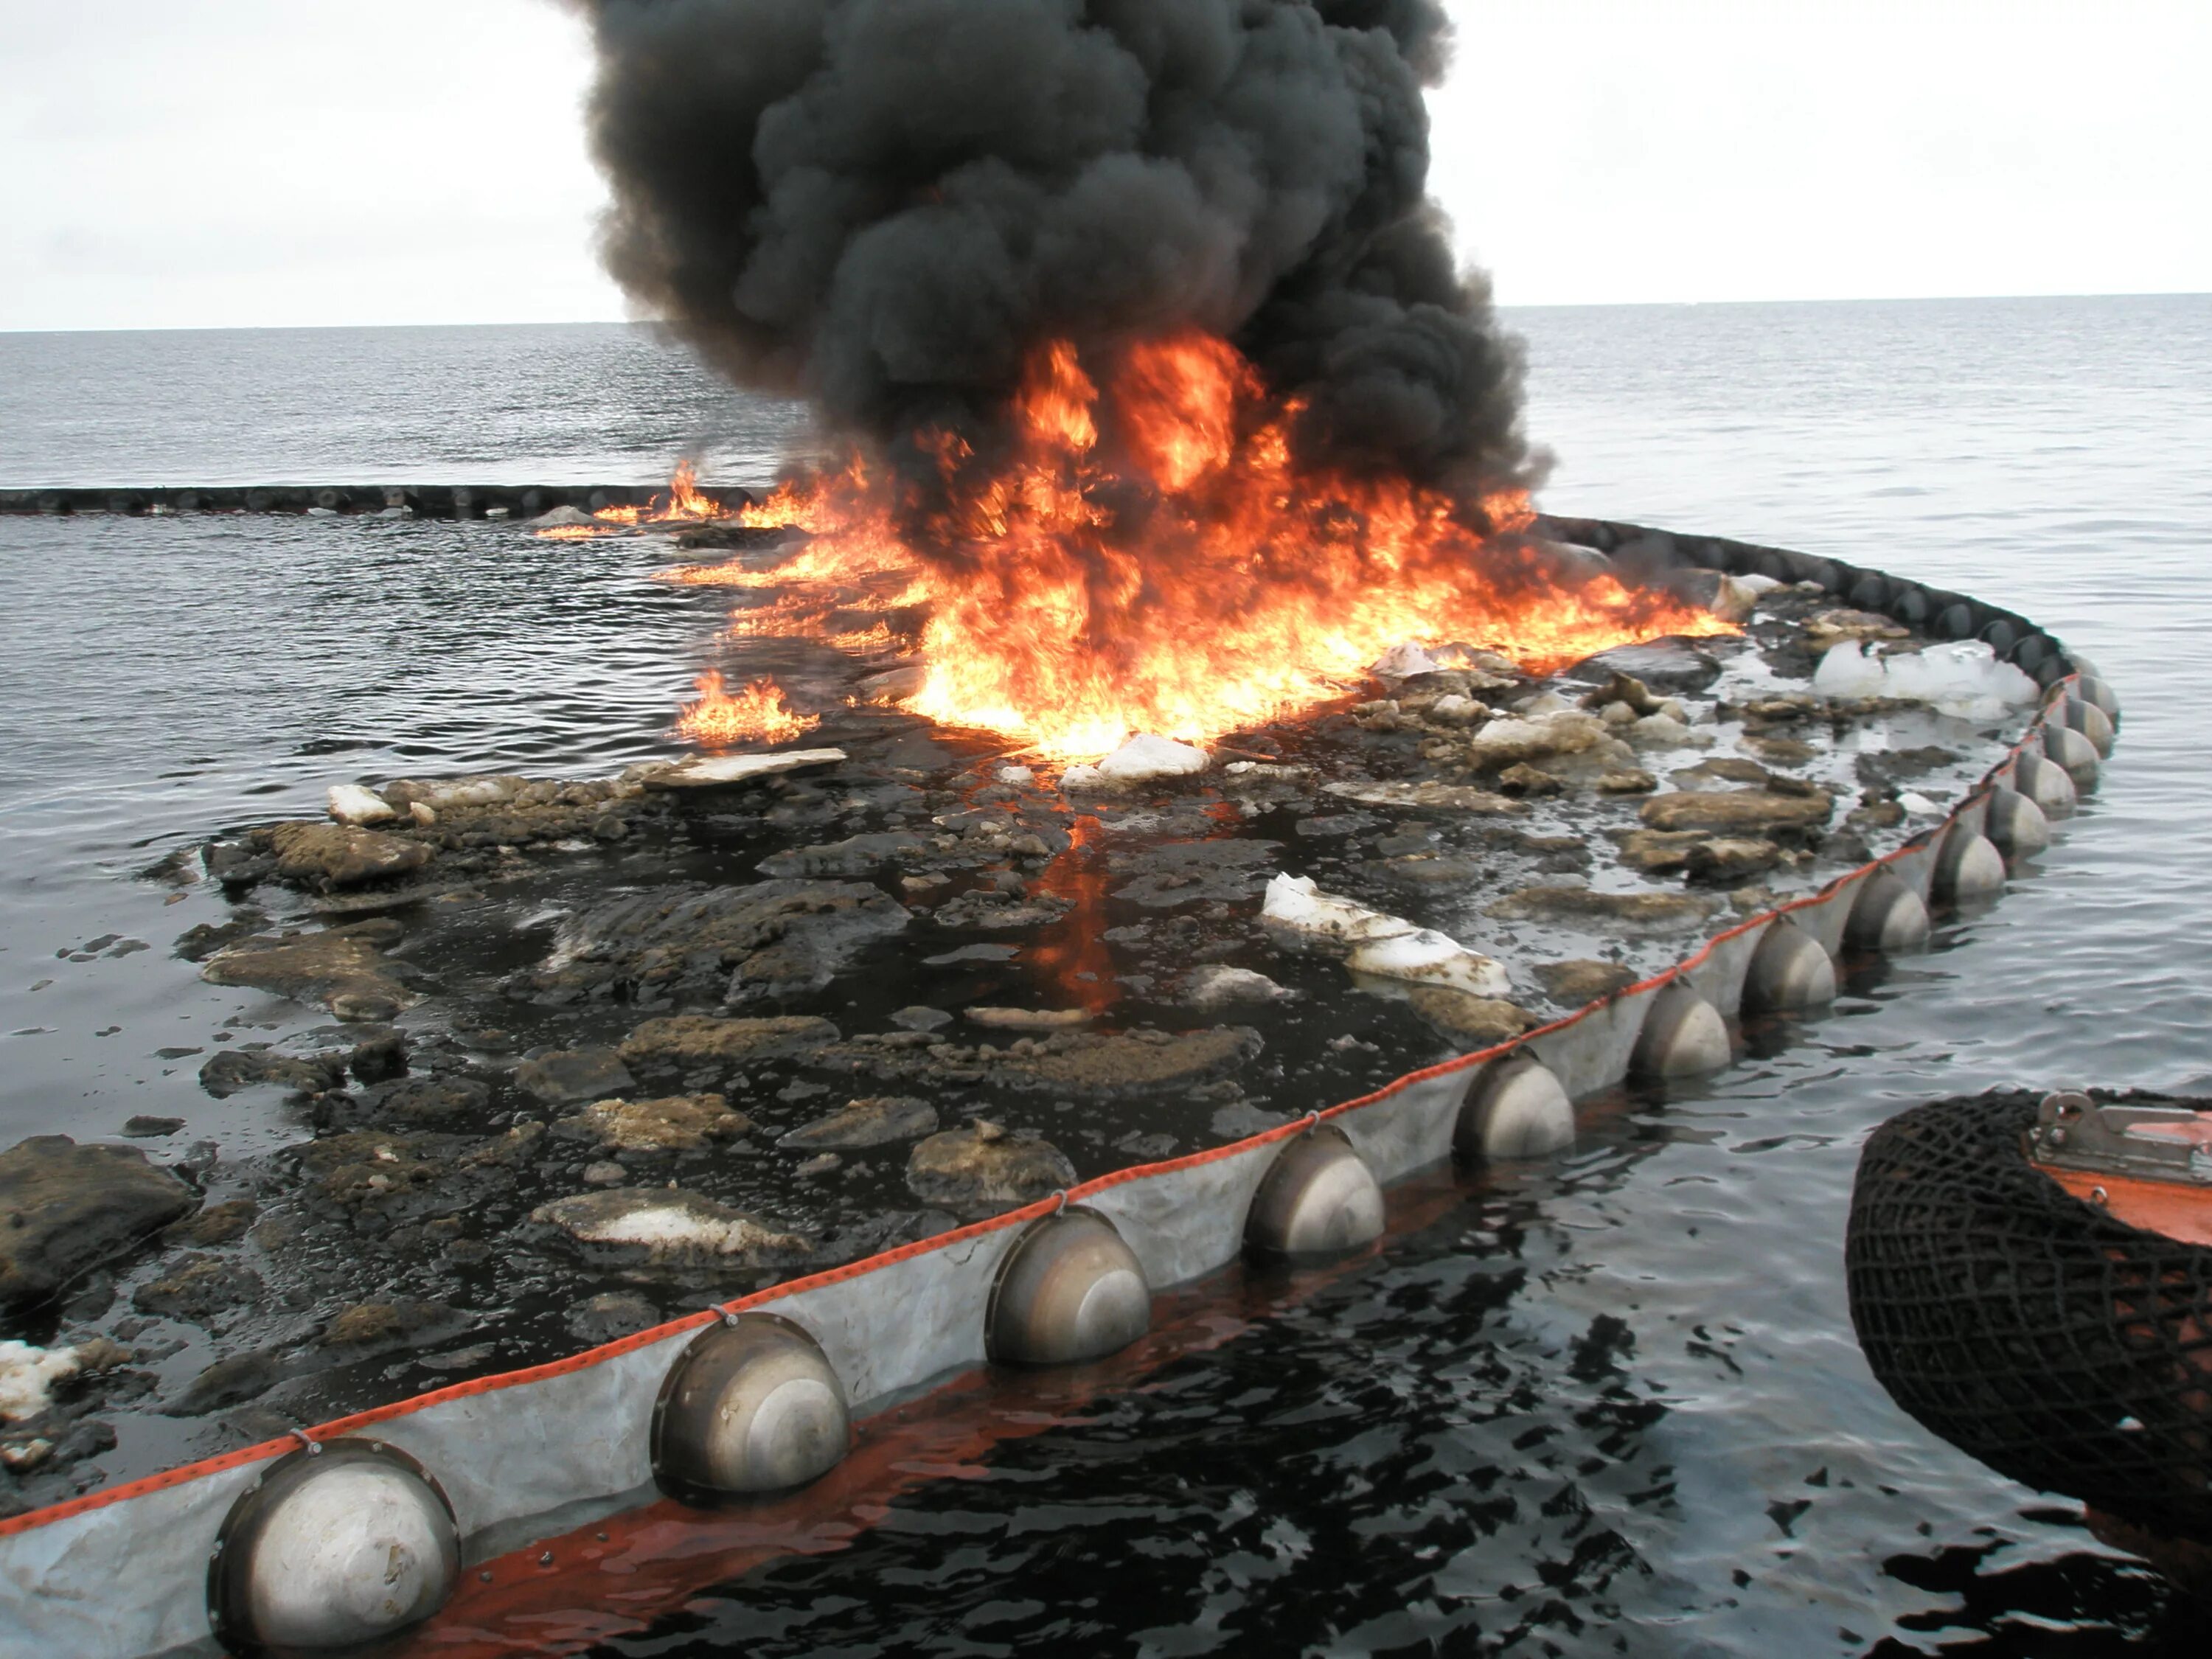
(175, 163)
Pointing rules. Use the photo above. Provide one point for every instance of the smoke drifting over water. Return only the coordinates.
(887, 206)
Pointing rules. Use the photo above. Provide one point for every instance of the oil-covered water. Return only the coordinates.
(1612, 1405)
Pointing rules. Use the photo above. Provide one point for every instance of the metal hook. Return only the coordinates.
(1313, 1123)
(1061, 1194)
(314, 1446)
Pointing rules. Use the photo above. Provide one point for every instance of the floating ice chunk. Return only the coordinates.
(1145, 757)
(1559, 730)
(1427, 957)
(1031, 1019)
(1082, 777)
(1213, 984)
(718, 771)
(1383, 946)
(439, 794)
(564, 518)
(1295, 906)
(1472, 659)
(1268, 770)
(1015, 774)
(1665, 732)
(351, 803)
(1919, 804)
(1734, 598)
(1423, 796)
(1544, 703)
(1964, 679)
(669, 1225)
(1402, 662)
(28, 1374)
(1846, 670)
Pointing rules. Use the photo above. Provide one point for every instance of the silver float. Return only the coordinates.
(1968, 867)
(2091, 721)
(751, 1405)
(1683, 1034)
(2046, 783)
(341, 1543)
(1317, 1198)
(1515, 1108)
(1070, 1290)
(2063, 746)
(2016, 824)
(2097, 693)
(1886, 916)
(1789, 971)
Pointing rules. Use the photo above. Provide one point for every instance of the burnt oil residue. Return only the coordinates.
(804, 1019)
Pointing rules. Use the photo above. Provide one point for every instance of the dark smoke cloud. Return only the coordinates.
(882, 205)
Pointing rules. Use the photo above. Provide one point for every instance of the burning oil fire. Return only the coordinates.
(684, 503)
(754, 714)
(1146, 557)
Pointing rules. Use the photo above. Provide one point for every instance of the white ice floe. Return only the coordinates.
(1015, 774)
(1542, 705)
(670, 1224)
(1966, 679)
(1267, 772)
(1919, 804)
(1402, 662)
(718, 771)
(1031, 1019)
(1295, 906)
(439, 794)
(1141, 759)
(1487, 668)
(351, 803)
(1147, 756)
(27, 1376)
(1734, 598)
(1560, 731)
(561, 518)
(1383, 946)
(1425, 957)
(1213, 984)
(673, 1229)
(1665, 732)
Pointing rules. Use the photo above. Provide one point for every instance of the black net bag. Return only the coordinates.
(2032, 1330)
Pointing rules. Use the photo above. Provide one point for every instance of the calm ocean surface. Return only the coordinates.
(1610, 1406)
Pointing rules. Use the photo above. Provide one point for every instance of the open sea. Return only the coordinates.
(1608, 1405)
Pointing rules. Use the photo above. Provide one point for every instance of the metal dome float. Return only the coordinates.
(674, 1147)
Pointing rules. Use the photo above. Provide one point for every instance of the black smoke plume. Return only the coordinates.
(882, 205)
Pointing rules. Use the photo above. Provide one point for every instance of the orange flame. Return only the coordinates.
(754, 714)
(1146, 555)
(684, 503)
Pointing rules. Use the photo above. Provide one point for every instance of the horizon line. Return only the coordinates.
(1502, 307)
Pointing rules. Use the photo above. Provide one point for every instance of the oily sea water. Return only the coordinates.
(1607, 1405)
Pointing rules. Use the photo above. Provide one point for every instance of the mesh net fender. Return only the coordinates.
(2063, 1348)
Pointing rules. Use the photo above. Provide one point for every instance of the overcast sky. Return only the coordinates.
(189, 163)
